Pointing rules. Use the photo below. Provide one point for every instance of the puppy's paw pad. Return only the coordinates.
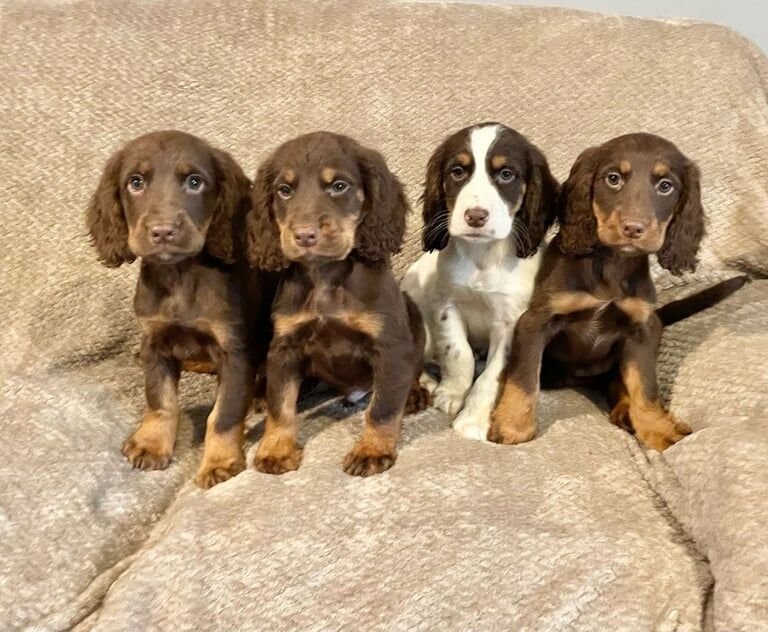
(146, 455)
(360, 463)
(472, 424)
(278, 463)
(213, 473)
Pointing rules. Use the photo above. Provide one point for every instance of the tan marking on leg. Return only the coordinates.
(636, 308)
(223, 454)
(569, 302)
(376, 450)
(286, 324)
(497, 162)
(464, 159)
(328, 175)
(369, 323)
(655, 427)
(660, 169)
(625, 167)
(514, 418)
(278, 452)
(150, 447)
(194, 366)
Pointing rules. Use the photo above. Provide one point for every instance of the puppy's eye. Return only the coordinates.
(339, 187)
(665, 186)
(458, 172)
(613, 180)
(506, 175)
(135, 183)
(285, 191)
(194, 183)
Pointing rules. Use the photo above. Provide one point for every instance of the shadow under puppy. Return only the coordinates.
(329, 213)
(592, 312)
(179, 205)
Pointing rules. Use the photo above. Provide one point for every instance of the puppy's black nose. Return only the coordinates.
(633, 230)
(476, 217)
(163, 233)
(305, 236)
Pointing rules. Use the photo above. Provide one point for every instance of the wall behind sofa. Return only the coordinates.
(750, 17)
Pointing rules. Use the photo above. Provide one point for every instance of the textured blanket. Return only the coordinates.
(579, 529)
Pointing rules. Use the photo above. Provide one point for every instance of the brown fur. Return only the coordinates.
(339, 314)
(199, 305)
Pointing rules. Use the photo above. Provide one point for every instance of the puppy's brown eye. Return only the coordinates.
(665, 187)
(339, 187)
(194, 183)
(458, 172)
(506, 175)
(135, 183)
(285, 191)
(613, 180)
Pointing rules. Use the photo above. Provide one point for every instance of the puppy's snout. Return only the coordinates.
(476, 217)
(165, 233)
(306, 236)
(633, 230)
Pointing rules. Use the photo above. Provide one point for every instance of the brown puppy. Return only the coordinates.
(329, 213)
(179, 204)
(592, 311)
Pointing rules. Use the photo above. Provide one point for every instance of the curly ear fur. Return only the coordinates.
(578, 226)
(263, 234)
(234, 189)
(538, 209)
(105, 219)
(385, 209)
(686, 228)
(434, 235)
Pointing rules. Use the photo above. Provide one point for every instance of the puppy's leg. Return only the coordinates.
(223, 453)
(456, 360)
(376, 449)
(475, 418)
(514, 418)
(655, 427)
(278, 451)
(150, 447)
(419, 395)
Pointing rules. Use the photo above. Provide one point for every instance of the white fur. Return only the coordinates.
(471, 294)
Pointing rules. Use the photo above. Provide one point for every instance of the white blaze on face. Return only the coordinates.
(480, 191)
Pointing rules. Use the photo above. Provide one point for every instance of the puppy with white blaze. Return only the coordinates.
(488, 202)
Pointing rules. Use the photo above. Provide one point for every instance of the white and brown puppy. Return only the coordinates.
(488, 201)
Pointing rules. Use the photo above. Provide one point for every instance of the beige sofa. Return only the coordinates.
(579, 529)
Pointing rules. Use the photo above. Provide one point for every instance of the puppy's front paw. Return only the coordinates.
(473, 423)
(215, 471)
(364, 461)
(510, 428)
(151, 446)
(277, 455)
(449, 397)
(418, 399)
(664, 431)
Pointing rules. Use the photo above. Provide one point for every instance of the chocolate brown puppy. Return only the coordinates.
(592, 316)
(329, 213)
(179, 205)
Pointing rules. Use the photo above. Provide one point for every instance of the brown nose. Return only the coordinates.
(305, 236)
(633, 230)
(476, 217)
(163, 233)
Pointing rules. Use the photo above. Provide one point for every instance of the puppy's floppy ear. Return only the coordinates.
(105, 219)
(234, 189)
(435, 235)
(263, 234)
(538, 209)
(385, 209)
(686, 228)
(578, 226)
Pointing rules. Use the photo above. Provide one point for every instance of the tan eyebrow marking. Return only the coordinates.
(625, 167)
(660, 169)
(464, 159)
(289, 175)
(497, 162)
(328, 175)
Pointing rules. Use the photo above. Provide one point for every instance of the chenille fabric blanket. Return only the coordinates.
(580, 529)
